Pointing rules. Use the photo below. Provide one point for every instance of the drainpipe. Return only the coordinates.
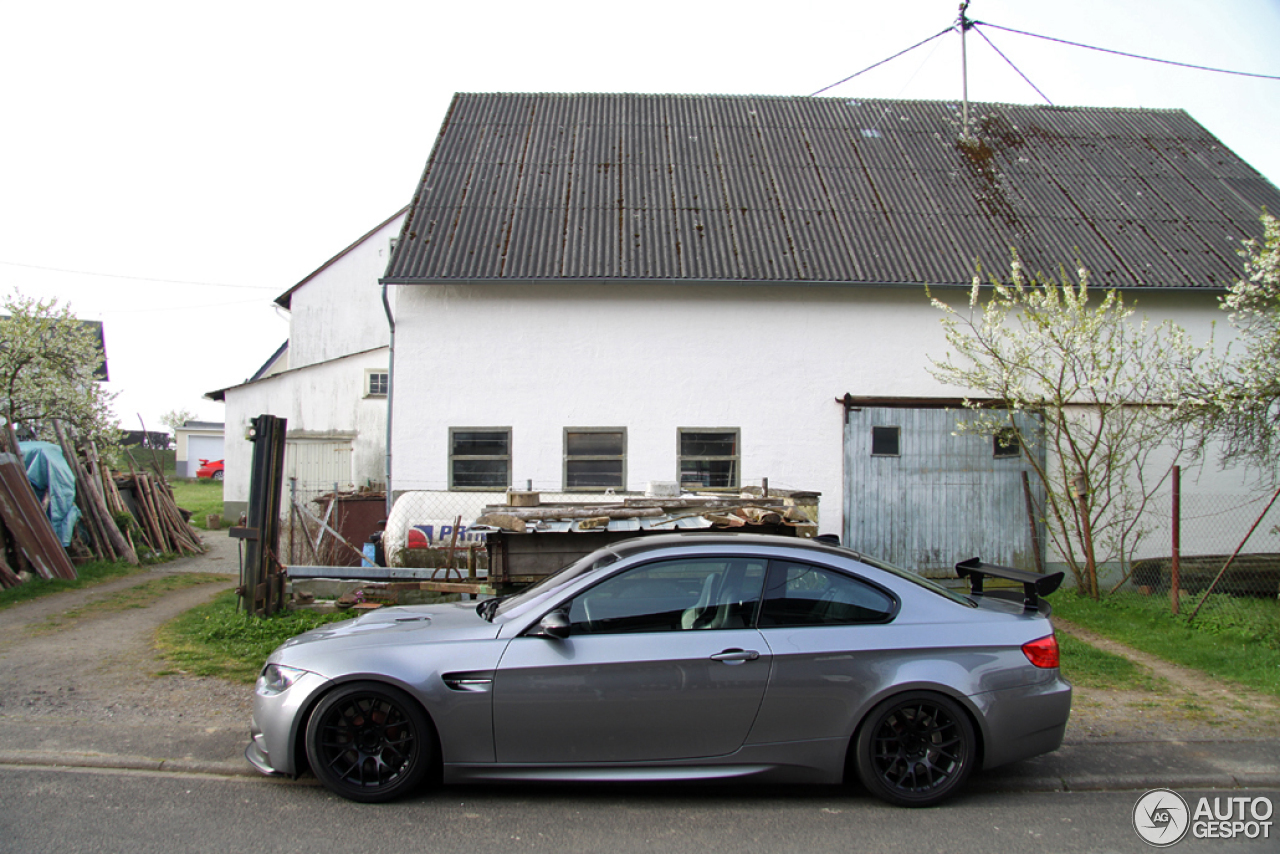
(391, 388)
(965, 24)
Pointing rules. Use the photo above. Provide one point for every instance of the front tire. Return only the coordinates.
(916, 749)
(369, 742)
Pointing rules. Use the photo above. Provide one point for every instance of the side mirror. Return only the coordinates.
(554, 625)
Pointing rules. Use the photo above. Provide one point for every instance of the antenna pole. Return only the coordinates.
(965, 24)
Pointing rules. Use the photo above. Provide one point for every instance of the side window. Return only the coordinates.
(798, 594)
(376, 382)
(479, 458)
(708, 458)
(672, 596)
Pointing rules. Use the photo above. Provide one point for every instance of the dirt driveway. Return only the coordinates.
(63, 663)
(65, 670)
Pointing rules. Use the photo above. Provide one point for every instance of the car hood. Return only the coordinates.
(402, 625)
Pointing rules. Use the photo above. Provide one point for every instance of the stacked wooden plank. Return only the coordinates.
(106, 540)
(25, 521)
(161, 525)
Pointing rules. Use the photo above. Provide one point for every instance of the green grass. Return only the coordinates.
(89, 575)
(138, 596)
(1232, 639)
(201, 497)
(219, 640)
(1089, 667)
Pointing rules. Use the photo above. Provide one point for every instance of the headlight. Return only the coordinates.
(276, 679)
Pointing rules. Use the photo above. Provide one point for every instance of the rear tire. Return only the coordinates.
(369, 742)
(916, 749)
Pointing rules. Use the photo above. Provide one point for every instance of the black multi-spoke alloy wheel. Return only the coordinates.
(369, 742)
(915, 749)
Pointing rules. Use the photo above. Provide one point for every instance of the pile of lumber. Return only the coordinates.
(653, 514)
(162, 526)
(24, 525)
(159, 525)
(93, 496)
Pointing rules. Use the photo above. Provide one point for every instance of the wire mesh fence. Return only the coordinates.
(1228, 554)
(324, 524)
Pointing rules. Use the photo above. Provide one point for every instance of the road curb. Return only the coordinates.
(126, 763)
(1105, 783)
(1235, 779)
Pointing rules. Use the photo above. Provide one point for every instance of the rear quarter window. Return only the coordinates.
(800, 594)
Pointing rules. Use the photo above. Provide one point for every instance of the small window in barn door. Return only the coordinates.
(376, 383)
(709, 458)
(886, 441)
(1005, 443)
(479, 458)
(595, 458)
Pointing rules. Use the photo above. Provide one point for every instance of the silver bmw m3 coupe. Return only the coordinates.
(678, 657)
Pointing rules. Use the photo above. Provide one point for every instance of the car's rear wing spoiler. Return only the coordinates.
(1033, 585)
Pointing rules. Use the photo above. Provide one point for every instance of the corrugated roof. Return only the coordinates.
(526, 187)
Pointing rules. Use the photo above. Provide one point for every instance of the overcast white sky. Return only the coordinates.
(170, 168)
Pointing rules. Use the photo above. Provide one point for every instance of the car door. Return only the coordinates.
(661, 663)
(833, 644)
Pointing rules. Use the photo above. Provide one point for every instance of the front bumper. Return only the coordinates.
(277, 721)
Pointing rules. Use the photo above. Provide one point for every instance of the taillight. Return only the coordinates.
(1042, 652)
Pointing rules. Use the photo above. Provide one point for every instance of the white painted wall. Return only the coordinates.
(771, 361)
(317, 401)
(338, 311)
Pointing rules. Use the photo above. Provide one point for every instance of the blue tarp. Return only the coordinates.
(50, 476)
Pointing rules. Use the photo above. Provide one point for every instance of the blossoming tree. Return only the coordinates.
(1102, 383)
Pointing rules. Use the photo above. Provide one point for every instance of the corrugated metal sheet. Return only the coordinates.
(528, 186)
(944, 499)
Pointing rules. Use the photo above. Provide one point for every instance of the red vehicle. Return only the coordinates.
(210, 468)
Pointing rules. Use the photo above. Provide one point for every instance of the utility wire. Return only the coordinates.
(883, 61)
(138, 278)
(1129, 55)
(1011, 65)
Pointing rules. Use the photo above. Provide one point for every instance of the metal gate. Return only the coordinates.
(920, 494)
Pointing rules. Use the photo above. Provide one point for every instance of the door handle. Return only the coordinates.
(736, 656)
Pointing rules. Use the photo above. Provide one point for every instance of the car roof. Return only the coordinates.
(653, 542)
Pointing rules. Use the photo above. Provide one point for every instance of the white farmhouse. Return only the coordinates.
(329, 380)
(594, 293)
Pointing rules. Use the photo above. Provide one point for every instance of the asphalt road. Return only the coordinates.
(106, 811)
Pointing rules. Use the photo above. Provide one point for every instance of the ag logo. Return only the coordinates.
(1161, 818)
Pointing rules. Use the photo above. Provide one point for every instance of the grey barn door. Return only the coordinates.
(936, 496)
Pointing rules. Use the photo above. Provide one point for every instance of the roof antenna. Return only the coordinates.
(965, 24)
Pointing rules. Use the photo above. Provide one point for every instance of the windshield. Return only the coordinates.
(516, 602)
(926, 583)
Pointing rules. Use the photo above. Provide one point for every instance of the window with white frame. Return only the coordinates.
(595, 458)
(376, 382)
(479, 458)
(709, 457)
